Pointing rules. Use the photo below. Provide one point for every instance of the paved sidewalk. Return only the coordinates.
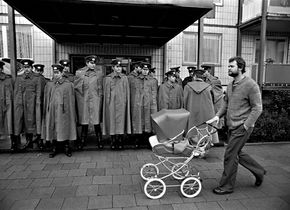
(110, 180)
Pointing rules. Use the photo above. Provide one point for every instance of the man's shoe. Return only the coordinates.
(220, 191)
(259, 180)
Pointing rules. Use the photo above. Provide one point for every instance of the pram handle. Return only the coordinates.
(196, 126)
(172, 140)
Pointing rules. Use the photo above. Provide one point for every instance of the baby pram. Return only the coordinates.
(174, 151)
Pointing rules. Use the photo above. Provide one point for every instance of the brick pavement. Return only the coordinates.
(110, 180)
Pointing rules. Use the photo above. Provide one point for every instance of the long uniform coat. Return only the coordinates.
(116, 105)
(147, 103)
(69, 76)
(134, 85)
(89, 96)
(59, 122)
(218, 95)
(6, 104)
(27, 104)
(198, 101)
(170, 96)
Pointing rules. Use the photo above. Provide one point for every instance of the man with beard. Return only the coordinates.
(170, 94)
(242, 106)
(116, 105)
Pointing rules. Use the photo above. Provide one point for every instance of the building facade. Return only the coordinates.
(220, 42)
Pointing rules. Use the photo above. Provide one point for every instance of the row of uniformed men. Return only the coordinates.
(47, 108)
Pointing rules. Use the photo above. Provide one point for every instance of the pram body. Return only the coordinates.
(174, 151)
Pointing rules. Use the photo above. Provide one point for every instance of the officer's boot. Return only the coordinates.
(67, 149)
(29, 141)
(39, 142)
(98, 132)
(13, 143)
(84, 136)
(113, 142)
(120, 142)
(53, 149)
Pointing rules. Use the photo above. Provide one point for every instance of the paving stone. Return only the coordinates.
(35, 167)
(170, 198)
(4, 183)
(88, 165)
(82, 159)
(136, 208)
(99, 202)
(104, 164)
(161, 207)
(50, 204)
(39, 174)
(130, 189)
(122, 179)
(58, 173)
(70, 166)
(85, 180)
(102, 180)
(77, 172)
(265, 203)
(232, 204)
(42, 192)
(6, 204)
(18, 194)
(87, 190)
(120, 164)
(95, 172)
(19, 183)
(76, 203)
(123, 201)
(51, 161)
(114, 171)
(142, 200)
(44, 182)
(19, 175)
(64, 192)
(5, 175)
(63, 181)
(16, 168)
(109, 189)
(51, 167)
(208, 205)
(131, 171)
(25, 204)
(184, 206)
(67, 160)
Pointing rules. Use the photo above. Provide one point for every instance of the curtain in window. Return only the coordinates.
(211, 48)
(274, 50)
(190, 48)
(24, 42)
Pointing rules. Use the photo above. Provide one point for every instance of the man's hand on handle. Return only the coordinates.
(212, 120)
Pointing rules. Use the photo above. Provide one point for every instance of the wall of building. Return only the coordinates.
(156, 53)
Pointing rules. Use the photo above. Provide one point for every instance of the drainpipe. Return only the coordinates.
(12, 42)
(239, 35)
(163, 70)
(262, 43)
(200, 43)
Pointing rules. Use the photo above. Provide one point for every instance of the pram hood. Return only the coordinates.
(168, 123)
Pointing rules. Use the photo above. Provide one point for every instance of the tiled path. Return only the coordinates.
(110, 180)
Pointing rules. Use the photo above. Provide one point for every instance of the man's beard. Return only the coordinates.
(233, 74)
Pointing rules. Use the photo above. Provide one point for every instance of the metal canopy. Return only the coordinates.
(152, 22)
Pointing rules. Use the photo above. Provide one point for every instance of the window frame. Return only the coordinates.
(285, 56)
(219, 35)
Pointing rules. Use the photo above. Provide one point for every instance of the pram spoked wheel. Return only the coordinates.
(149, 171)
(190, 187)
(182, 171)
(154, 188)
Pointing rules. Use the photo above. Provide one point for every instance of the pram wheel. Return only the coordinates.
(180, 171)
(149, 171)
(154, 188)
(190, 187)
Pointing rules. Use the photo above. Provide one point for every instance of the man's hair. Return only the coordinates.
(241, 63)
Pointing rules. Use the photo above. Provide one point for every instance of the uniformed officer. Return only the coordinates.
(89, 94)
(190, 77)
(170, 94)
(66, 69)
(6, 106)
(59, 123)
(27, 103)
(177, 74)
(116, 105)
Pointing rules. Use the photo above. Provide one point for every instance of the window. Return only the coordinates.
(211, 48)
(276, 49)
(218, 2)
(23, 41)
